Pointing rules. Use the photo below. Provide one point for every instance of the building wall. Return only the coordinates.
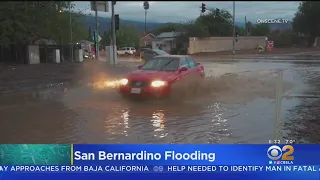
(217, 44)
(166, 45)
(147, 41)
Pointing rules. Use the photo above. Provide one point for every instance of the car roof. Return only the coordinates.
(173, 56)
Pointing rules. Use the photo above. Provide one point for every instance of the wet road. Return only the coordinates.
(235, 105)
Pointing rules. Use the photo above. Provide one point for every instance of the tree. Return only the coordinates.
(187, 30)
(208, 25)
(286, 38)
(167, 28)
(306, 20)
(216, 25)
(24, 22)
(89, 34)
(260, 30)
(249, 26)
(106, 39)
(126, 36)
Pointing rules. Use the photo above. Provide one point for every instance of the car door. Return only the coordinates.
(127, 51)
(121, 51)
(193, 67)
(198, 68)
(154, 54)
(184, 63)
(147, 55)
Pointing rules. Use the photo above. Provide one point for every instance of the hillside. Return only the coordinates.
(105, 24)
(281, 27)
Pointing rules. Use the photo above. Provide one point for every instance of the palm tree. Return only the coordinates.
(146, 7)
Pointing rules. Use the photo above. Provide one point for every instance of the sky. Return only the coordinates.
(179, 11)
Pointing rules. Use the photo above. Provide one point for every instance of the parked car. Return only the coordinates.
(88, 55)
(126, 51)
(155, 77)
(151, 53)
(139, 51)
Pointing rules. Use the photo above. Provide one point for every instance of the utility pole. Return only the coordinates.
(110, 31)
(145, 22)
(146, 6)
(97, 32)
(114, 42)
(234, 28)
(245, 25)
(70, 24)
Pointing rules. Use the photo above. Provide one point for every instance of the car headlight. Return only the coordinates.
(158, 83)
(124, 81)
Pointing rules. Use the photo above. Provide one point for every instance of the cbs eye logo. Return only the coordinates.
(285, 154)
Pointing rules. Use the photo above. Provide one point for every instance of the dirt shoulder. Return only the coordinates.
(275, 51)
(15, 78)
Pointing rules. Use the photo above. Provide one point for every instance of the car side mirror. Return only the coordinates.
(198, 64)
(140, 66)
(183, 69)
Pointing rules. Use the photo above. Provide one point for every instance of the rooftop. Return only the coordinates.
(168, 35)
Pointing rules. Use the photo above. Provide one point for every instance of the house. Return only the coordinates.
(146, 40)
(85, 45)
(165, 41)
(45, 41)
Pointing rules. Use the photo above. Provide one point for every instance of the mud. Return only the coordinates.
(234, 104)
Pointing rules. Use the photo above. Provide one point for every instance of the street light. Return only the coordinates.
(71, 38)
(146, 6)
(114, 38)
(234, 28)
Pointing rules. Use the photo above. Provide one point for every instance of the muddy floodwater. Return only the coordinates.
(235, 104)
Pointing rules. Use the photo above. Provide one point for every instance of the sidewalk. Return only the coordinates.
(276, 53)
(221, 60)
(127, 62)
(16, 78)
(306, 57)
(296, 57)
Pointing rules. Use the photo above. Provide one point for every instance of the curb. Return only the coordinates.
(263, 60)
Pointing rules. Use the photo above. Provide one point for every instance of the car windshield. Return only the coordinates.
(162, 64)
(159, 52)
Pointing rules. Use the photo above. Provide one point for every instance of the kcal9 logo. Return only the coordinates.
(285, 154)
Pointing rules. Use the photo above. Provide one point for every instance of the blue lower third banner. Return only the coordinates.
(156, 169)
(156, 172)
(41, 161)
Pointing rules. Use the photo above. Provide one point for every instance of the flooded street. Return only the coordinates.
(236, 104)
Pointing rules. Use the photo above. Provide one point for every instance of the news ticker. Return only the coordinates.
(80, 154)
(158, 169)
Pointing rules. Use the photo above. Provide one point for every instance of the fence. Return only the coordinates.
(256, 96)
(46, 52)
(217, 44)
(13, 54)
(18, 53)
(279, 97)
